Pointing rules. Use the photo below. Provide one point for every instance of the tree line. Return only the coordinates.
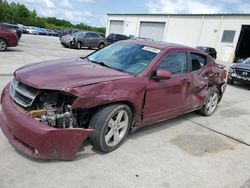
(16, 13)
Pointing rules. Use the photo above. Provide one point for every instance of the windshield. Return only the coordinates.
(247, 61)
(125, 57)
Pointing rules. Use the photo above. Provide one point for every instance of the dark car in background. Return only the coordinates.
(211, 51)
(67, 32)
(112, 38)
(8, 38)
(51, 32)
(13, 27)
(83, 39)
(239, 72)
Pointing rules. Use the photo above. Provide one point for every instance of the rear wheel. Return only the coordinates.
(230, 81)
(3, 45)
(211, 103)
(101, 46)
(111, 125)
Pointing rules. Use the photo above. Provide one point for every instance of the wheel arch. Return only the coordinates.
(5, 41)
(132, 107)
(102, 42)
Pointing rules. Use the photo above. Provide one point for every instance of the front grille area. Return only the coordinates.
(244, 73)
(22, 94)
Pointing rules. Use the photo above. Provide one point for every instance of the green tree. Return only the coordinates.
(17, 13)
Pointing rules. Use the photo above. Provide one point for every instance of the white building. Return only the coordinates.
(229, 34)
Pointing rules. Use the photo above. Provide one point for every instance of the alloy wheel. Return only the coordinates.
(116, 128)
(212, 102)
(3, 45)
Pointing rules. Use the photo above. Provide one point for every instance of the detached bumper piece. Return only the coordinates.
(35, 139)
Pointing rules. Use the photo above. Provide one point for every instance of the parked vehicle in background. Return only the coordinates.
(31, 30)
(240, 72)
(126, 85)
(41, 31)
(52, 33)
(211, 51)
(8, 38)
(112, 38)
(83, 39)
(12, 26)
(141, 38)
(67, 32)
(23, 29)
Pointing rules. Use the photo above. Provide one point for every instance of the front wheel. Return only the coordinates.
(3, 45)
(111, 125)
(211, 103)
(78, 45)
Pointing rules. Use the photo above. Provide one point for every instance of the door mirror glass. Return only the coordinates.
(163, 75)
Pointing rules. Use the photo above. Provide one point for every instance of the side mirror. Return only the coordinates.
(163, 75)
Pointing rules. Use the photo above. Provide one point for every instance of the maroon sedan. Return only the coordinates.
(50, 109)
(8, 38)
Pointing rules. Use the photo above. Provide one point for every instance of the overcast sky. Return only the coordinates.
(93, 12)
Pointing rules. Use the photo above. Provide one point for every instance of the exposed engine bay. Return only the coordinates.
(52, 108)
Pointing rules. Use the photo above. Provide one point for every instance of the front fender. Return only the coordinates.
(130, 90)
(99, 99)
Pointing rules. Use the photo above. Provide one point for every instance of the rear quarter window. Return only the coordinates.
(198, 61)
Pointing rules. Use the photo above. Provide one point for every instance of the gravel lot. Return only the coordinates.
(189, 151)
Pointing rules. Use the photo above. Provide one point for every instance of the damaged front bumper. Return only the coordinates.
(35, 139)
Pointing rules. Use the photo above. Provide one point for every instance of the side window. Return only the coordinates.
(88, 35)
(198, 61)
(176, 63)
(95, 35)
(118, 37)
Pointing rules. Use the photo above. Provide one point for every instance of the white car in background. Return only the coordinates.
(31, 30)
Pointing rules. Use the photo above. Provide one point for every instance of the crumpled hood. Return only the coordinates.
(66, 73)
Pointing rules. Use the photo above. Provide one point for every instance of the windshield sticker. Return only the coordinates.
(150, 49)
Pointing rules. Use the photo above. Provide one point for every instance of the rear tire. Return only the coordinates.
(230, 81)
(101, 46)
(211, 102)
(111, 125)
(3, 45)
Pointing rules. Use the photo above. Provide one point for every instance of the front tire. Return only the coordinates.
(3, 45)
(211, 102)
(78, 45)
(111, 125)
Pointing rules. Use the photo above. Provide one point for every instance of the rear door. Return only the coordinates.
(95, 40)
(168, 98)
(88, 40)
(201, 71)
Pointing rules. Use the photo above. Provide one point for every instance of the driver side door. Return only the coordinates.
(168, 98)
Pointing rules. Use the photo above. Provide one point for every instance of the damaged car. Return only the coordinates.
(49, 109)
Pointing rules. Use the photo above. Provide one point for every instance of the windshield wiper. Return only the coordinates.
(104, 65)
(99, 63)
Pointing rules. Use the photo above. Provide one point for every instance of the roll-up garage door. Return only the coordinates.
(152, 30)
(116, 27)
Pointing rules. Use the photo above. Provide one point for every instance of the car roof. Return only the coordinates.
(157, 44)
